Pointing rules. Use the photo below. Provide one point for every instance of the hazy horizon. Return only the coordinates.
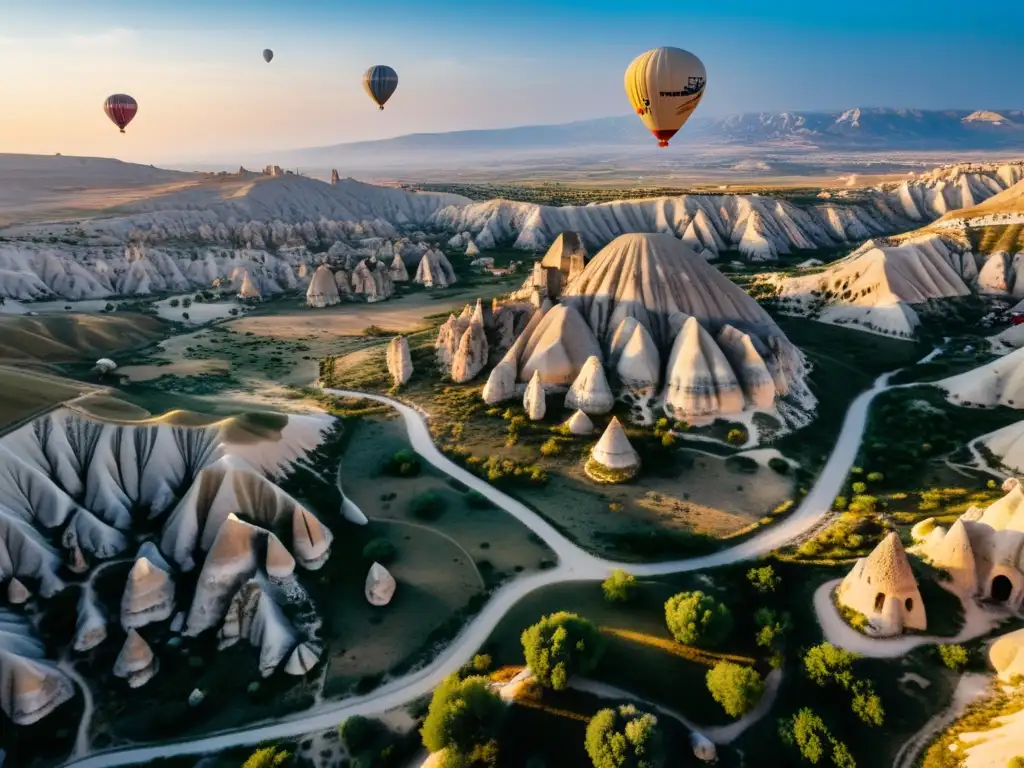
(205, 92)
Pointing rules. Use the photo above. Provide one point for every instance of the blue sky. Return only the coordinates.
(194, 65)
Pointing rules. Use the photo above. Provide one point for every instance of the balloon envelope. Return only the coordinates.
(267, 55)
(665, 85)
(121, 109)
(380, 81)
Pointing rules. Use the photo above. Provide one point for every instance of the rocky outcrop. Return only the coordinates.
(343, 280)
(471, 355)
(323, 290)
(558, 348)
(248, 291)
(90, 622)
(380, 585)
(148, 595)
(435, 271)
(883, 588)
(372, 280)
(399, 361)
(471, 249)
(746, 354)
(700, 382)
(136, 663)
(579, 424)
(302, 660)
(613, 459)
(590, 391)
(254, 616)
(534, 402)
(30, 687)
(399, 274)
(637, 362)
(447, 343)
(17, 593)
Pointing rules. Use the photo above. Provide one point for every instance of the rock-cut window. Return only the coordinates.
(879, 602)
(909, 604)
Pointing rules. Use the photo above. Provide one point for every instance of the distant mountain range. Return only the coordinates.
(849, 130)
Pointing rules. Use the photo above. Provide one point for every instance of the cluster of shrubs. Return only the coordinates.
(404, 463)
(496, 469)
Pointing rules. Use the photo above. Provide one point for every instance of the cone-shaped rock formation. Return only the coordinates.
(613, 459)
(399, 361)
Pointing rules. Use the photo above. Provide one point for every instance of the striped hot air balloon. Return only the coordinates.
(380, 81)
(121, 109)
(665, 85)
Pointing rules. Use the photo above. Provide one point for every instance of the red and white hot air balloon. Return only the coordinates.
(121, 109)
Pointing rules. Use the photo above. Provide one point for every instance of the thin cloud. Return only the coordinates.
(100, 39)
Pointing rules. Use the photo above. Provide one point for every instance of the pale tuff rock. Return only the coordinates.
(104, 366)
(148, 595)
(372, 280)
(334, 177)
(1000, 382)
(343, 281)
(435, 271)
(533, 400)
(136, 662)
(323, 290)
(87, 533)
(485, 319)
(248, 289)
(567, 255)
(448, 337)
(90, 622)
(700, 382)
(399, 361)
(380, 585)
(471, 249)
(590, 391)
(623, 333)
(178, 622)
(703, 748)
(501, 383)
(982, 550)
(653, 277)
(882, 587)
(579, 424)
(254, 616)
(471, 355)
(196, 697)
(613, 458)
(399, 274)
(30, 688)
(302, 660)
(17, 593)
(1007, 655)
(558, 347)
(231, 561)
(747, 361)
(1007, 445)
(76, 562)
(638, 365)
(26, 555)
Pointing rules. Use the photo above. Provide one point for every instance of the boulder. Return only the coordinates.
(590, 391)
(534, 402)
(703, 748)
(380, 585)
(17, 593)
(399, 360)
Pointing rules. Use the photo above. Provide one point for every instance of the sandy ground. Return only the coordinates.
(27, 394)
(73, 337)
(996, 747)
(180, 368)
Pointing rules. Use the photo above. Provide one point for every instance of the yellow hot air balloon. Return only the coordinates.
(665, 85)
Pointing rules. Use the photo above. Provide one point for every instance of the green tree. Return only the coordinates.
(1015, 762)
(625, 737)
(736, 436)
(464, 715)
(772, 628)
(841, 755)
(866, 703)
(619, 586)
(358, 733)
(268, 757)
(764, 579)
(735, 687)
(380, 550)
(562, 645)
(858, 487)
(696, 618)
(810, 735)
(825, 663)
(954, 656)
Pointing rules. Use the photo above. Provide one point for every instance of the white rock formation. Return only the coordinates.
(1000, 382)
(637, 362)
(1007, 655)
(323, 290)
(90, 622)
(380, 585)
(248, 291)
(17, 593)
(104, 366)
(148, 595)
(703, 748)
(136, 662)
(700, 382)
(558, 348)
(30, 687)
(471, 249)
(746, 356)
(882, 587)
(399, 274)
(471, 355)
(447, 343)
(613, 458)
(302, 660)
(501, 383)
(399, 361)
(371, 279)
(579, 424)
(590, 391)
(534, 402)
(434, 270)
(253, 615)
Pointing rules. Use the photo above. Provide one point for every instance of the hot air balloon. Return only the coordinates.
(380, 81)
(121, 109)
(664, 86)
(267, 55)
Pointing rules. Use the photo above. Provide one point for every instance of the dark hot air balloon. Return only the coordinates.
(121, 109)
(268, 55)
(380, 81)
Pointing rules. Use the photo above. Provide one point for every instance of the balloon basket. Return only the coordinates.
(662, 143)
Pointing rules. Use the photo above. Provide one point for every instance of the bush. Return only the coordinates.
(186, 302)
(779, 465)
(875, 477)
(560, 646)
(694, 618)
(735, 687)
(826, 662)
(268, 757)
(954, 656)
(763, 579)
(736, 437)
(1015, 762)
(184, 316)
(358, 733)
(551, 447)
(380, 550)
(625, 737)
(839, 504)
(859, 488)
(618, 587)
(668, 440)
(403, 463)
(476, 500)
(809, 734)
(744, 464)
(174, 302)
(427, 505)
(464, 715)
